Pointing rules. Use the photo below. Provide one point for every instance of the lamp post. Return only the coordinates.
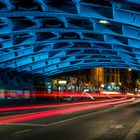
(129, 81)
(129, 76)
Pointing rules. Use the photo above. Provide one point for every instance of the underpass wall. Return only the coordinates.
(15, 88)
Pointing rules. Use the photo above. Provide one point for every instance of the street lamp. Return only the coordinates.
(129, 81)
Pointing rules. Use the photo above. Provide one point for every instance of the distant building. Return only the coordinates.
(111, 75)
(105, 76)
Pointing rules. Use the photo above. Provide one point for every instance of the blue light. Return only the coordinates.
(51, 37)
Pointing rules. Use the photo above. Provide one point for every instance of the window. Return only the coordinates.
(112, 78)
(108, 70)
(108, 78)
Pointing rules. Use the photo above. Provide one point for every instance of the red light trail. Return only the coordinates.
(61, 94)
(53, 106)
(37, 115)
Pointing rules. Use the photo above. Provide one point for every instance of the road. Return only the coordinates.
(91, 121)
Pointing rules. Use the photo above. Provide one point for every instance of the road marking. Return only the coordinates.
(112, 121)
(119, 105)
(23, 131)
(6, 112)
(136, 101)
(133, 132)
(119, 126)
(77, 117)
(26, 124)
(51, 124)
(128, 103)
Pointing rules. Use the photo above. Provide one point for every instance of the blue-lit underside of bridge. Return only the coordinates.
(54, 36)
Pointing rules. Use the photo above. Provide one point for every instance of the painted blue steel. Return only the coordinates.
(48, 37)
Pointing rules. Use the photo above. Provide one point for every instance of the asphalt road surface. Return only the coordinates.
(112, 122)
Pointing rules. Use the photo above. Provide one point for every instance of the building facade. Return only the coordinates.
(105, 76)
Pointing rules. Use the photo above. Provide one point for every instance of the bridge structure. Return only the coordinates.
(48, 37)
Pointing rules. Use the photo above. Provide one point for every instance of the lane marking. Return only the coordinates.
(136, 101)
(23, 131)
(81, 116)
(123, 104)
(6, 112)
(35, 115)
(66, 120)
(25, 124)
(133, 132)
(118, 126)
(128, 103)
(77, 117)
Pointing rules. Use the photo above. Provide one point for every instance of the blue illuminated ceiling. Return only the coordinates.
(54, 36)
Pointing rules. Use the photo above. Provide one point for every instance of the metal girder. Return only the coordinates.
(49, 37)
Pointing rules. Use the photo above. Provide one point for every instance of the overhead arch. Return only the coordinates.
(48, 37)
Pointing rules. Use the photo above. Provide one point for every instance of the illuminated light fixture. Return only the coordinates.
(112, 84)
(102, 85)
(129, 69)
(103, 21)
(62, 82)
